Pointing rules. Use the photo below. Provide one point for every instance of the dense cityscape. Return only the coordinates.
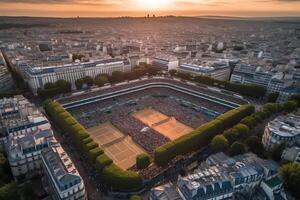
(159, 108)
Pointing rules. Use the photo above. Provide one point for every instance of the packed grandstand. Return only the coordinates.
(190, 104)
(133, 131)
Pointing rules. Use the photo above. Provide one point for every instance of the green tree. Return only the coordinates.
(259, 116)
(290, 174)
(207, 80)
(272, 97)
(290, 105)
(296, 98)
(134, 74)
(242, 129)
(102, 161)
(182, 75)
(119, 179)
(3, 159)
(77, 57)
(135, 197)
(237, 148)
(64, 86)
(249, 121)
(219, 143)
(276, 152)
(9, 191)
(28, 192)
(116, 77)
(173, 72)
(101, 80)
(94, 153)
(255, 145)
(152, 70)
(5, 172)
(79, 83)
(88, 80)
(49, 86)
(273, 107)
(142, 161)
(231, 135)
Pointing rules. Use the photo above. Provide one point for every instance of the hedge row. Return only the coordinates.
(76, 132)
(52, 89)
(143, 161)
(135, 197)
(268, 109)
(201, 136)
(102, 161)
(114, 176)
(120, 179)
(242, 129)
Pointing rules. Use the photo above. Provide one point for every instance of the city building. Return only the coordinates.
(284, 83)
(217, 72)
(283, 129)
(37, 77)
(288, 92)
(165, 62)
(167, 191)
(224, 177)
(31, 148)
(63, 177)
(24, 151)
(19, 116)
(25, 132)
(250, 74)
(291, 154)
(6, 81)
(280, 81)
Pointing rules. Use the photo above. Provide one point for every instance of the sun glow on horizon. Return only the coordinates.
(154, 4)
(136, 8)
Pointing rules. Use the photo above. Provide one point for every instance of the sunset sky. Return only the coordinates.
(115, 8)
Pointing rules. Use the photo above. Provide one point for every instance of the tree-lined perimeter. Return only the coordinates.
(113, 176)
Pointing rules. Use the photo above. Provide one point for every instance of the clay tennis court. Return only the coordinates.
(116, 145)
(165, 125)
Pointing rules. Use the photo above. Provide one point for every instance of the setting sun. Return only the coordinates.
(154, 4)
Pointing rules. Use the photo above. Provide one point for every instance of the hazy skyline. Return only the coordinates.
(115, 8)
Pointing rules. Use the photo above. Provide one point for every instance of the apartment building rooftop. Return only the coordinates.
(18, 114)
(165, 192)
(61, 167)
(222, 175)
(28, 143)
(33, 70)
(285, 125)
